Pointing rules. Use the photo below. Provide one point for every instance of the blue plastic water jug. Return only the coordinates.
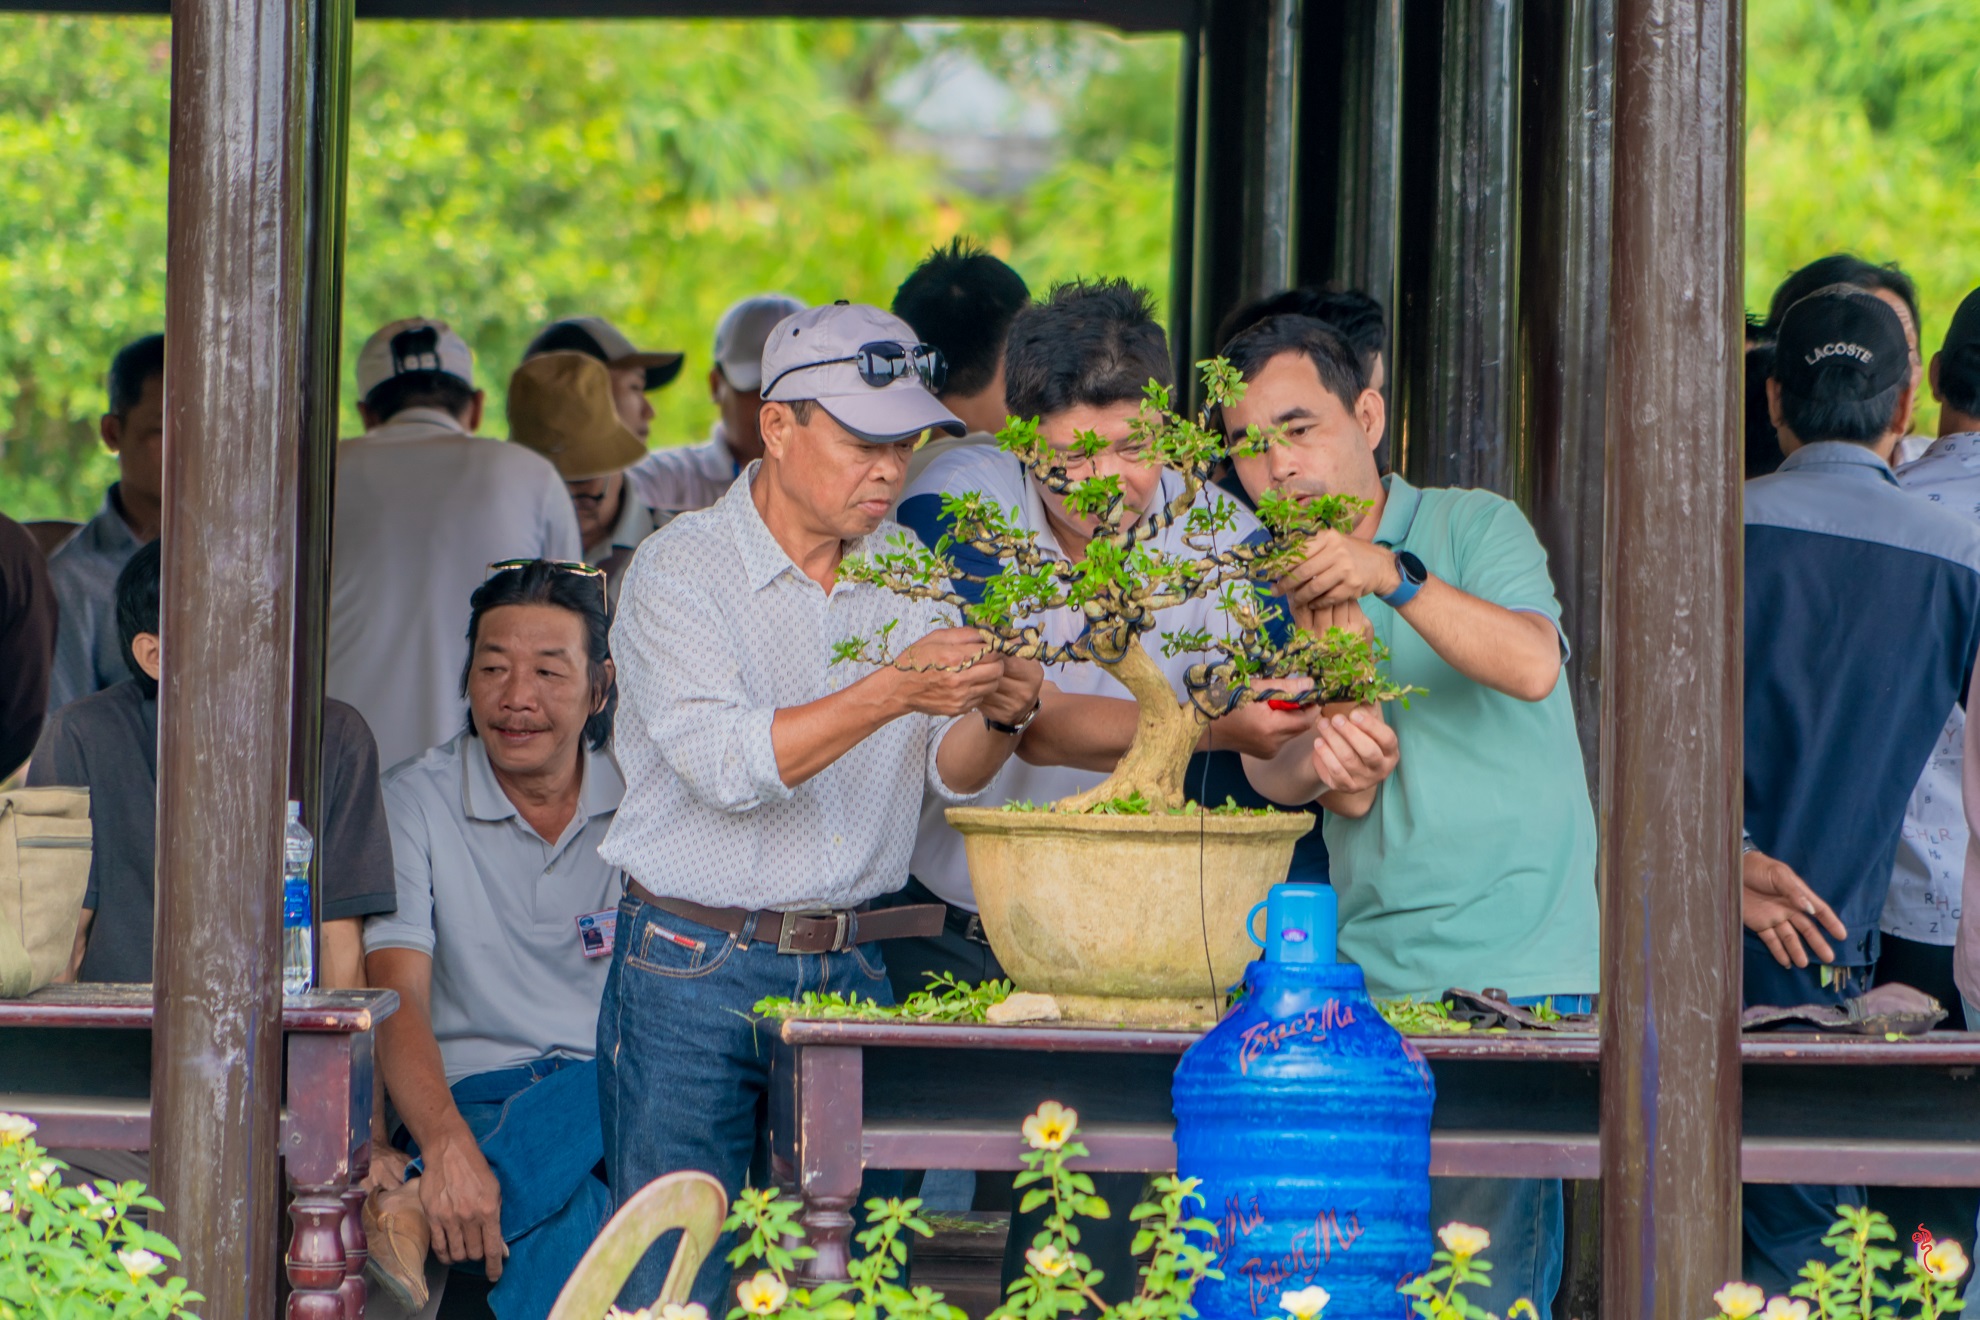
(1307, 1117)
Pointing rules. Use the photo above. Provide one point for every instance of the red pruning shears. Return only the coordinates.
(1280, 703)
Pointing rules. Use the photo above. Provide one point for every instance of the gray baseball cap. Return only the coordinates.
(816, 354)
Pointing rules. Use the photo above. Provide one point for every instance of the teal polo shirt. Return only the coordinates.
(1476, 865)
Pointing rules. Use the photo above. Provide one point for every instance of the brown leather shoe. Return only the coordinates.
(395, 1230)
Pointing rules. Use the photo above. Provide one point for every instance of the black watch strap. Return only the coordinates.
(1013, 730)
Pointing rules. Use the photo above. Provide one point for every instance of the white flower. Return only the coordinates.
(682, 1311)
(1736, 1300)
(1304, 1303)
(1781, 1308)
(15, 1127)
(6, 1202)
(1945, 1261)
(641, 1314)
(762, 1293)
(1050, 1126)
(1048, 1260)
(139, 1263)
(1465, 1240)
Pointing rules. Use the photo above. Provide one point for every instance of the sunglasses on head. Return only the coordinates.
(885, 361)
(575, 568)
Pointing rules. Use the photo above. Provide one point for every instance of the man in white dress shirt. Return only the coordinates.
(424, 506)
(771, 792)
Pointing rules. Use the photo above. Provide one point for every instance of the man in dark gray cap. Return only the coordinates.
(1862, 626)
(769, 793)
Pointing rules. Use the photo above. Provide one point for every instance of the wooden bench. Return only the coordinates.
(848, 1095)
(77, 1060)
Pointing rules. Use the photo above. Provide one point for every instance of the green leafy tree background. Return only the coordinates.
(503, 174)
(506, 173)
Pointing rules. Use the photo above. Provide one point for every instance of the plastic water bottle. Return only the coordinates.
(1308, 1119)
(298, 954)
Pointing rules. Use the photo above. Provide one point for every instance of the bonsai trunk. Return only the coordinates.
(1164, 736)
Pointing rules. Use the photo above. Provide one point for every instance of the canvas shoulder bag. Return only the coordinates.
(44, 872)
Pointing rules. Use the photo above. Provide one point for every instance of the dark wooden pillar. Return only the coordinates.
(1248, 158)
(1567, 148)
(233, 284)
(1182, 241)
(1671, 699)
(1369, 162)
(326, 144)
(1457, 405)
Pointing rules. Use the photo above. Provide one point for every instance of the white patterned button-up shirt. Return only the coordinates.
(717, 630)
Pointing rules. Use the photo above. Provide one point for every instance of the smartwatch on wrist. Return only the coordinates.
(1412, 574)
(1013, 730)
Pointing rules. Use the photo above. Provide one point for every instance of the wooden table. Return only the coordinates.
(77, 1060)
(850, 1095)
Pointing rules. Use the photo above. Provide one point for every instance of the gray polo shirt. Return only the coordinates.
(496, 907)
(89, 654)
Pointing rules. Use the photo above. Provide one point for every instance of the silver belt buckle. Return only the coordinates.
(787, 928)
(973, 930)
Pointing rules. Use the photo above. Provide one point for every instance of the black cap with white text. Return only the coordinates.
(1841, 344)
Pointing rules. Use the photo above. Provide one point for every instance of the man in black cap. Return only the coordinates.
(1862, 626)
(635, 373)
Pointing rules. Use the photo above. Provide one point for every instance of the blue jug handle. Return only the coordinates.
(1250, 917)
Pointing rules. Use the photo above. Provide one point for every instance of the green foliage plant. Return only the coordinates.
(75, 1253)
(1861, 1283)
(1058, 1279)
(944, 999)
(1123, 581)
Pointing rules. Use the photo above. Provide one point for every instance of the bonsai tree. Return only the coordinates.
(1122, 582)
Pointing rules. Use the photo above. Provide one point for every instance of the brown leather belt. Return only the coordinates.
(830, 930)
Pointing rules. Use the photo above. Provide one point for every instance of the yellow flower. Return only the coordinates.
(1780, 1308)
(139, 1263)
(15, 1127)
(1945, 1261)
(1736, 1300)
(1049, 1260)
(38, 1176)
(1465, 1240)
(1304, 1303)
(1050, 1126)
(762, 1294)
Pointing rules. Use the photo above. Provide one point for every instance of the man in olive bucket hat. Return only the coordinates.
(560, 405)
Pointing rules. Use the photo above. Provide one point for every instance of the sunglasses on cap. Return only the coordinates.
(883, 362)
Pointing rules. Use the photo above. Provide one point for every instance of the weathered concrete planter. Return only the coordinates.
(1135, 919)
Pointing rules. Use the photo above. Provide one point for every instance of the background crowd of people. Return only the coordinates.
(593, 785)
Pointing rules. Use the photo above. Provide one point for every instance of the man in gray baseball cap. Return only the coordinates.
(769, 796)
(864, 367)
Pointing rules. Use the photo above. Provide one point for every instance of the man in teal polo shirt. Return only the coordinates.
(1476, 865)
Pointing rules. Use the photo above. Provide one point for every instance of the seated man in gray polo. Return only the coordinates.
(498, 952)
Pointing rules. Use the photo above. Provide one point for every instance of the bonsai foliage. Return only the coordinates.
(1860, 1283)
(1058, 1279)
(1122, 582)
(75, 1252)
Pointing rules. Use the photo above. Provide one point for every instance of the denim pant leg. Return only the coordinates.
(537, 1127)
(1784, 1223)
(1527, 1224)
(682, 1065)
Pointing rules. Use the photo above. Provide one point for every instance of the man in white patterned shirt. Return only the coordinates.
(769, 791)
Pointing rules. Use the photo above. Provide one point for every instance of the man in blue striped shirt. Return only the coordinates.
(1862, 626)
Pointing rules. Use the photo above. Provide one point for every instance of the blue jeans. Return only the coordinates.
(537, 1126)
(683, 1066)
(1524, 1216)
